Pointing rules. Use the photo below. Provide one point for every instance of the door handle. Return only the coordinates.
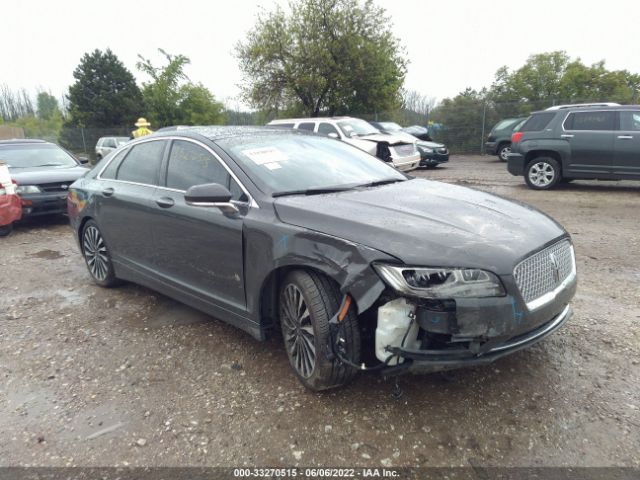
(566, 135)
(165, 202)
(107, 192)
(625, 137)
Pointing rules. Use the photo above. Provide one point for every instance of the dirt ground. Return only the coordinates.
(97, 377)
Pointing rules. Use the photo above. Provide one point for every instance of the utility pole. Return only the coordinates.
(484, 116)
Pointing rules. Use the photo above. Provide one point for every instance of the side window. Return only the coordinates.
(537, 122)
(190, 164)
(630, 121)
(307, 126)
(109, 173)
(326, 128)
(142, 163)
(590, 121)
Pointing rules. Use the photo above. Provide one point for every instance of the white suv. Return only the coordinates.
(390, 148)
(106, 145)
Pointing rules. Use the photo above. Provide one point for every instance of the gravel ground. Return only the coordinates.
(97, 377)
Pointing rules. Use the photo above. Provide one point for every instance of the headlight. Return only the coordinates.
(22, 189)
(441, 282)
(426, 149)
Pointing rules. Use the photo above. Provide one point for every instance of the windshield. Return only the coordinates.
(290, 162)
(36, 155)
(503, 124)
(391, 126)
(122, 140)
(355, 127)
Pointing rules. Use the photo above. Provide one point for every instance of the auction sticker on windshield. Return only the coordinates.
(265, 155)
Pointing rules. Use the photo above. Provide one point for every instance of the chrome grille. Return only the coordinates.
(55, 187)
(405, 150)
(544, 271)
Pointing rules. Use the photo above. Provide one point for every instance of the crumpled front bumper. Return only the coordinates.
(424, 361)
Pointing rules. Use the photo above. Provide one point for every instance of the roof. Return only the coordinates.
(309, 119)
(216, 132)
(15, 141)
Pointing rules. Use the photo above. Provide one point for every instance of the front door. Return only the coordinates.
(198, 248)
(626, 163)
(590, 135)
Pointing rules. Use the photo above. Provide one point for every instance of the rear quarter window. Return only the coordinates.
(537, 122)
(590, 121)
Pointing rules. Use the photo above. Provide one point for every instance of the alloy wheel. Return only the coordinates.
(95, 253)
(541, 174)
(298, 331)
(504, 153)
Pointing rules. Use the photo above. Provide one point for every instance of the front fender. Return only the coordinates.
(347, 263)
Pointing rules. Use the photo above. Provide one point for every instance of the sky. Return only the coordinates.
(450, 44)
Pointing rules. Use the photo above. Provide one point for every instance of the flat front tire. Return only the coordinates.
(307, 301)
(97, 256)
(542, 173)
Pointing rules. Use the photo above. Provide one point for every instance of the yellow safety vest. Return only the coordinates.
(141, 132)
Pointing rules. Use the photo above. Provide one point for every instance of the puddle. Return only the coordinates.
(47, 254)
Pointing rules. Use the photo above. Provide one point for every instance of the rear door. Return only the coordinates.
(590, 135)
(125, 203)
(199, 249)
(626, 163)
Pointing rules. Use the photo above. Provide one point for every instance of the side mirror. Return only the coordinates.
(210, 195)
(83, 160)
(333, 135)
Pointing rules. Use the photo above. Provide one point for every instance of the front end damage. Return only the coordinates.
(414, 334)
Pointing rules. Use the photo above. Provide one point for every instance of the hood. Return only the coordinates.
(391, 139)
(40, 175)
(434, 145)
(427, 223)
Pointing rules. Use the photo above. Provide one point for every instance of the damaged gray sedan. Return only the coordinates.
(361, 267)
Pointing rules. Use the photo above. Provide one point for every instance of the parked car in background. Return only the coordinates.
(567, 142)
(269, 228)
(499, 139)
(43, 171)
(432, 154)
(420, 132)
(106, 145)
(394, 149)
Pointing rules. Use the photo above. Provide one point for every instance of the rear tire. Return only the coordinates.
(97, 257)
(503, 152)
(542, 173)
(5, 230)
(307, 302)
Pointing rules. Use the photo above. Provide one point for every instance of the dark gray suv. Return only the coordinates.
(589, 141)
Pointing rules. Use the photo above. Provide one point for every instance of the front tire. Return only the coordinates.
(542, 173)
(5, 230)
(97, 257)
(503, 152)
(308, 301)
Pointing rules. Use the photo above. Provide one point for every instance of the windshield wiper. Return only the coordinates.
(384, 181)
(50, 165)
(314, 191)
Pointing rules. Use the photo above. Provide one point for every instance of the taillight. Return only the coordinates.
(516, 137)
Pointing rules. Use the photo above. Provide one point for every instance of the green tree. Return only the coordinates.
(47, 106)
(171, 99)
(198, 106)
(105, 93)
(326, 56)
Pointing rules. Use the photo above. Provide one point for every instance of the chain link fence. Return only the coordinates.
(462, 126)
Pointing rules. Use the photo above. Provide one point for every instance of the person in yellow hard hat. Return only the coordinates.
(142, 129)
